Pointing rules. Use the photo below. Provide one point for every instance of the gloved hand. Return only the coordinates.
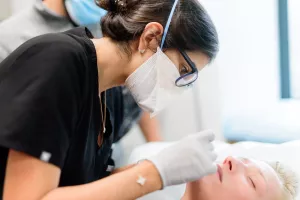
(188, 160)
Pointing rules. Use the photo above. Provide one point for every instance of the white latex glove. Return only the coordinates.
(188, 160)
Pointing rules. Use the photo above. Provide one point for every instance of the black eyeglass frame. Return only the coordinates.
(193, 67)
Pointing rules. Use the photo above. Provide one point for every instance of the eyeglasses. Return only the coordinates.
(190, 77)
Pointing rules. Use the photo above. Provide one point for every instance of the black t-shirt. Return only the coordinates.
(50, 109)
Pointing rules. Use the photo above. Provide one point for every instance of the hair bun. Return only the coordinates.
(112, 5)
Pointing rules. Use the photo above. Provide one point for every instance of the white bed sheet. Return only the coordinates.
(287, 153)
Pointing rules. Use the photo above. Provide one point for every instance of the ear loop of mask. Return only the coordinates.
(168, 24)
(166, 27)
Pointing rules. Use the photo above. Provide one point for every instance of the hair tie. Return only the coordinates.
(112, 5)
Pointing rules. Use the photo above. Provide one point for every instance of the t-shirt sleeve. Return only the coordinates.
(39, 99)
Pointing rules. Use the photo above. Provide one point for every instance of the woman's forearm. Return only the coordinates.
(150, 128)
(123, 169)
(120, 186)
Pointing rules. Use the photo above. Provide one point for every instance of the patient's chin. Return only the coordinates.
(203, 188)
(204, 183)
(196, 191)
(210, 179)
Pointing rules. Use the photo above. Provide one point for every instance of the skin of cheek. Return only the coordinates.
(233, 187)
(237, 187)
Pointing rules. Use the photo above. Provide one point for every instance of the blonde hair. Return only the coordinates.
(289, 180)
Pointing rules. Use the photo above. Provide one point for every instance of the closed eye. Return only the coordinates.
(252, 183)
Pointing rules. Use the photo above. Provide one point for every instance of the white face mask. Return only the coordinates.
(152, 85)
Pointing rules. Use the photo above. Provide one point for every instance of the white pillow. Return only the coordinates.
(274, 122)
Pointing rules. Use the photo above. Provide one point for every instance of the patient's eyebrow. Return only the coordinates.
(246, 160)
(266, 183)
(259, 168)
(260, 171)
(265, 179)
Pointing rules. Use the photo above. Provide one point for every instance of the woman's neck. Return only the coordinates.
(56, 6)
(112, 64)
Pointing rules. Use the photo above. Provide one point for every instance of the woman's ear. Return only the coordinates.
(151, 37)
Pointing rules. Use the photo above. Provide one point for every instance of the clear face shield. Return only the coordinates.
(190, 77)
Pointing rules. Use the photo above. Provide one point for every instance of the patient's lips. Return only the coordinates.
(220, 173)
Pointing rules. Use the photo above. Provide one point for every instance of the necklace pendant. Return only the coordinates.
(104, 130)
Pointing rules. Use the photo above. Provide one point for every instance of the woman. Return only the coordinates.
(245, 179)
(52, 146)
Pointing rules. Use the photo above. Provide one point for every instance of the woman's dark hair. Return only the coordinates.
(191, 27)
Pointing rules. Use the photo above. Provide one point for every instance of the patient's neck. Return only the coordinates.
(192, 192)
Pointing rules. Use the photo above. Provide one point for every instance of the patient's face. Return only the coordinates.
(240, 179)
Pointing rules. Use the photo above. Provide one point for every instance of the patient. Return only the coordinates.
(245, 179)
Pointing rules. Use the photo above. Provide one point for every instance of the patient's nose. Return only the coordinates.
(232, 164)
